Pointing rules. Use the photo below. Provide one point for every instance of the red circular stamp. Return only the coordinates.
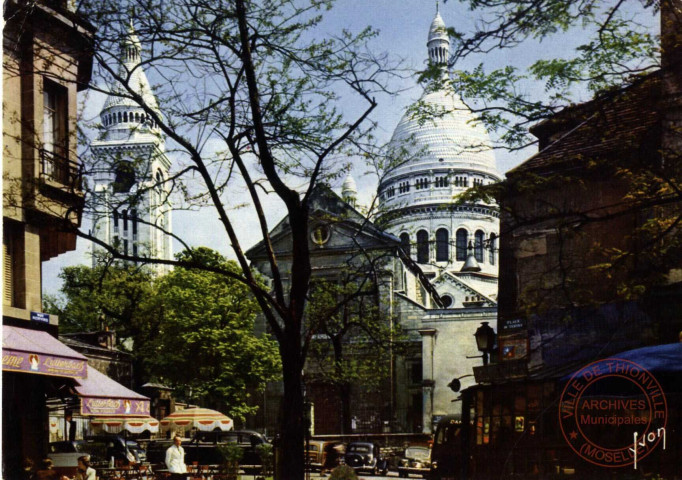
(613, 413)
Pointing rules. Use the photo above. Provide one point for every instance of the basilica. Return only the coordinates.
(441, 282)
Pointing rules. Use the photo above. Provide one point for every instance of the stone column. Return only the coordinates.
(428, 382)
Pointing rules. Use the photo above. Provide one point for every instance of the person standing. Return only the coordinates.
(175, 459)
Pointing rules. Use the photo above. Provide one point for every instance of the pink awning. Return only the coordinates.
(38, 352)
(100, 395)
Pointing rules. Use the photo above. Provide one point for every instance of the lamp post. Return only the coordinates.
(485, 340)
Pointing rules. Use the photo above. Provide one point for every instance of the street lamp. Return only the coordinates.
(485, 340)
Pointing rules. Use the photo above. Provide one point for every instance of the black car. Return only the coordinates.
(366, 457)
(203, 449)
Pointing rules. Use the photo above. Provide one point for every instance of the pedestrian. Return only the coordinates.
(46, 471)
(85, 471)
(175, 459)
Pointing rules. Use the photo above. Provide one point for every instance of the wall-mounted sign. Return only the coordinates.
(39, 363)
(40, 317)
(513, 324)
(113, 406)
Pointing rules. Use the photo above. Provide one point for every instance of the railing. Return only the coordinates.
(60, 169)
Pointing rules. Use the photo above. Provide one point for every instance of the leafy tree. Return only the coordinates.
(354, 337)
(248, 99)
(118, 296)
(618, 60)
(191, 329)
(206, 339)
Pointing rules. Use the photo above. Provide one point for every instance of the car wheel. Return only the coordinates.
(354, 460)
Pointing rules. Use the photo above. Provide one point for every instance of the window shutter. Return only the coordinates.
(8, 281)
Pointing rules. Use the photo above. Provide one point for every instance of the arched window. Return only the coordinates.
(405, 243)
(120, 117)
(462, 240)
(442, 245)
(478, 245)
(422, 246)
(493, 248)
(125, 117)
(137, 117)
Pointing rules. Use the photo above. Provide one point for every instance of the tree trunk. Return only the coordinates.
(291, 462)
(345, 396)
(343, 388)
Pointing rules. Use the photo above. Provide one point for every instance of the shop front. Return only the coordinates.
(515, 429)
(37, 368)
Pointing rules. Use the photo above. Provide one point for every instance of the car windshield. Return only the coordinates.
(417, 452)
(359, 448)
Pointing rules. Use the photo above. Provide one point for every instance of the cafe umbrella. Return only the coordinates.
(202, 419)
(134, 425)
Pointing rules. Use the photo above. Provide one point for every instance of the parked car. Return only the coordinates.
(101, 448)
(366, 457)
(415, 460)
(324, 454)
(203, 449)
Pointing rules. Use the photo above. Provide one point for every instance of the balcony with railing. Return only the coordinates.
(58, 169)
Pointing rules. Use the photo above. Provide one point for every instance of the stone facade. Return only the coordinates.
(440, 261)
(45, 63)
(131, 204)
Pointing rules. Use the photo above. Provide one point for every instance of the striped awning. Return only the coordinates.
(130, 424)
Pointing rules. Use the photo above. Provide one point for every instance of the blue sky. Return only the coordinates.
(403, 27)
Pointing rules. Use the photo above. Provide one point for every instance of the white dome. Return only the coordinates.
(439, 131)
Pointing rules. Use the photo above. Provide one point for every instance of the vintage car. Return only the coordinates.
(415, 460)
(366, 457)
(203, 449)
(324, 454)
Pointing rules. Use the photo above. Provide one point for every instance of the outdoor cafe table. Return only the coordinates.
(133, 472)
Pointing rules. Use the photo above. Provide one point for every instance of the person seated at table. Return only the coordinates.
(85, 471)
(46, 471)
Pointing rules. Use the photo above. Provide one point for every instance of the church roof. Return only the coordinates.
(437, 31)
(439, 130)
(130, 61)
(613, 127)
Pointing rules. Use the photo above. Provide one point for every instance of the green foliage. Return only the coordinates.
(267, 457)
(206, 341)
(190, 329)
(617, 46)
(343, 472)
(231, 454)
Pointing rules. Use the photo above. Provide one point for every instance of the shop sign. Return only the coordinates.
(15, 361)
(113, 406)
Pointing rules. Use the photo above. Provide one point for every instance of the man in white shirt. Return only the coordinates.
(175, 458)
